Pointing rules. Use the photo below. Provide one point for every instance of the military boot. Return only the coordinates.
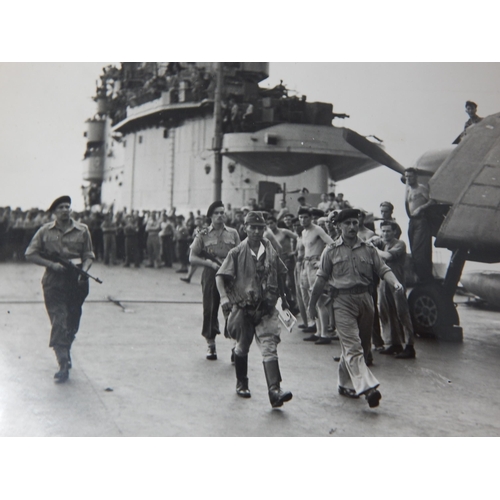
(276, 396)
(241, 367)
(62, 355)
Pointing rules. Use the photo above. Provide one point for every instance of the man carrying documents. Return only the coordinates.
(250, 281)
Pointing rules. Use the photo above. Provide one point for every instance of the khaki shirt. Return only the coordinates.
(249, 279)
(345, 267)
(73, 243)
(218, 246)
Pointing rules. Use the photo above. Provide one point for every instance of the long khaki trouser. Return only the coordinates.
(266, 333)
(305, 292)
(311, 268)
(354, 318)
(298, 294)
(395, 316)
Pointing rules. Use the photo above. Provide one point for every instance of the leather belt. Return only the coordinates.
(355, 290)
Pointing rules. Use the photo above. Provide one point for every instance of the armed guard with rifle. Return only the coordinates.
(64, 248)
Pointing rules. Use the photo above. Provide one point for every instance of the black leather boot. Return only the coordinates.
(62, 355)
(392, 349)
(241, 367)
(276, 396)
(373, 397)
(408, 353)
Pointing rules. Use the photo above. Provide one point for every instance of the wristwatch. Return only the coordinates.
(398, 287)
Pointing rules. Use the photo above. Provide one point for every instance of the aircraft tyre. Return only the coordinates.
(433, 313)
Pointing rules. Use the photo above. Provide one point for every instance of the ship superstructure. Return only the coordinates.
(151, 143)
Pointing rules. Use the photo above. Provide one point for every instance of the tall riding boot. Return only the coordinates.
(241, 367)
(276, 396)
(62, 355)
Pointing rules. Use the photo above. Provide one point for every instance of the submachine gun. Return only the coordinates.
(211, 257)
(54, 257)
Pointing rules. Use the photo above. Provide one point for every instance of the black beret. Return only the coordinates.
(316, 212)
(348, 213)
(213, 206)
(471, 103)
(304, 211)
(58, 201)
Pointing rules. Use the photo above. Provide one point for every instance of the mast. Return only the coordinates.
(217, 140)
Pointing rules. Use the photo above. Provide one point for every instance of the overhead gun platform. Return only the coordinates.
(289, 149)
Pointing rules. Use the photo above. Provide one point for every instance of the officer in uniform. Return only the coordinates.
(348, 264)
(250, 281)
(209, 248)
(64, 290)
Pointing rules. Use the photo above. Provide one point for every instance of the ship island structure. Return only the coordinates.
(180, 135)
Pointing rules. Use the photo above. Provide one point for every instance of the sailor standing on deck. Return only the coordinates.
(348, 264)
(314, 239)
(64, 290)
(209, 249)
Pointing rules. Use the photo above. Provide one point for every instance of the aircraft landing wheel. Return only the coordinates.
(431, 309)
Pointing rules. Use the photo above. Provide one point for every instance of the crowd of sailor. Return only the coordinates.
(148, 238)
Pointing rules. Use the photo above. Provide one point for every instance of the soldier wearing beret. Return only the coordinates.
(348, 265)
(64, 290)
(250, 281)
(209, 248)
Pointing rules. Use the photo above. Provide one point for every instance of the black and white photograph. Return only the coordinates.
(131, 213)
(235, 250)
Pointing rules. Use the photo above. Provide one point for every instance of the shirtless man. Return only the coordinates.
(417, 199)
(314, 240)
(364, 232)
